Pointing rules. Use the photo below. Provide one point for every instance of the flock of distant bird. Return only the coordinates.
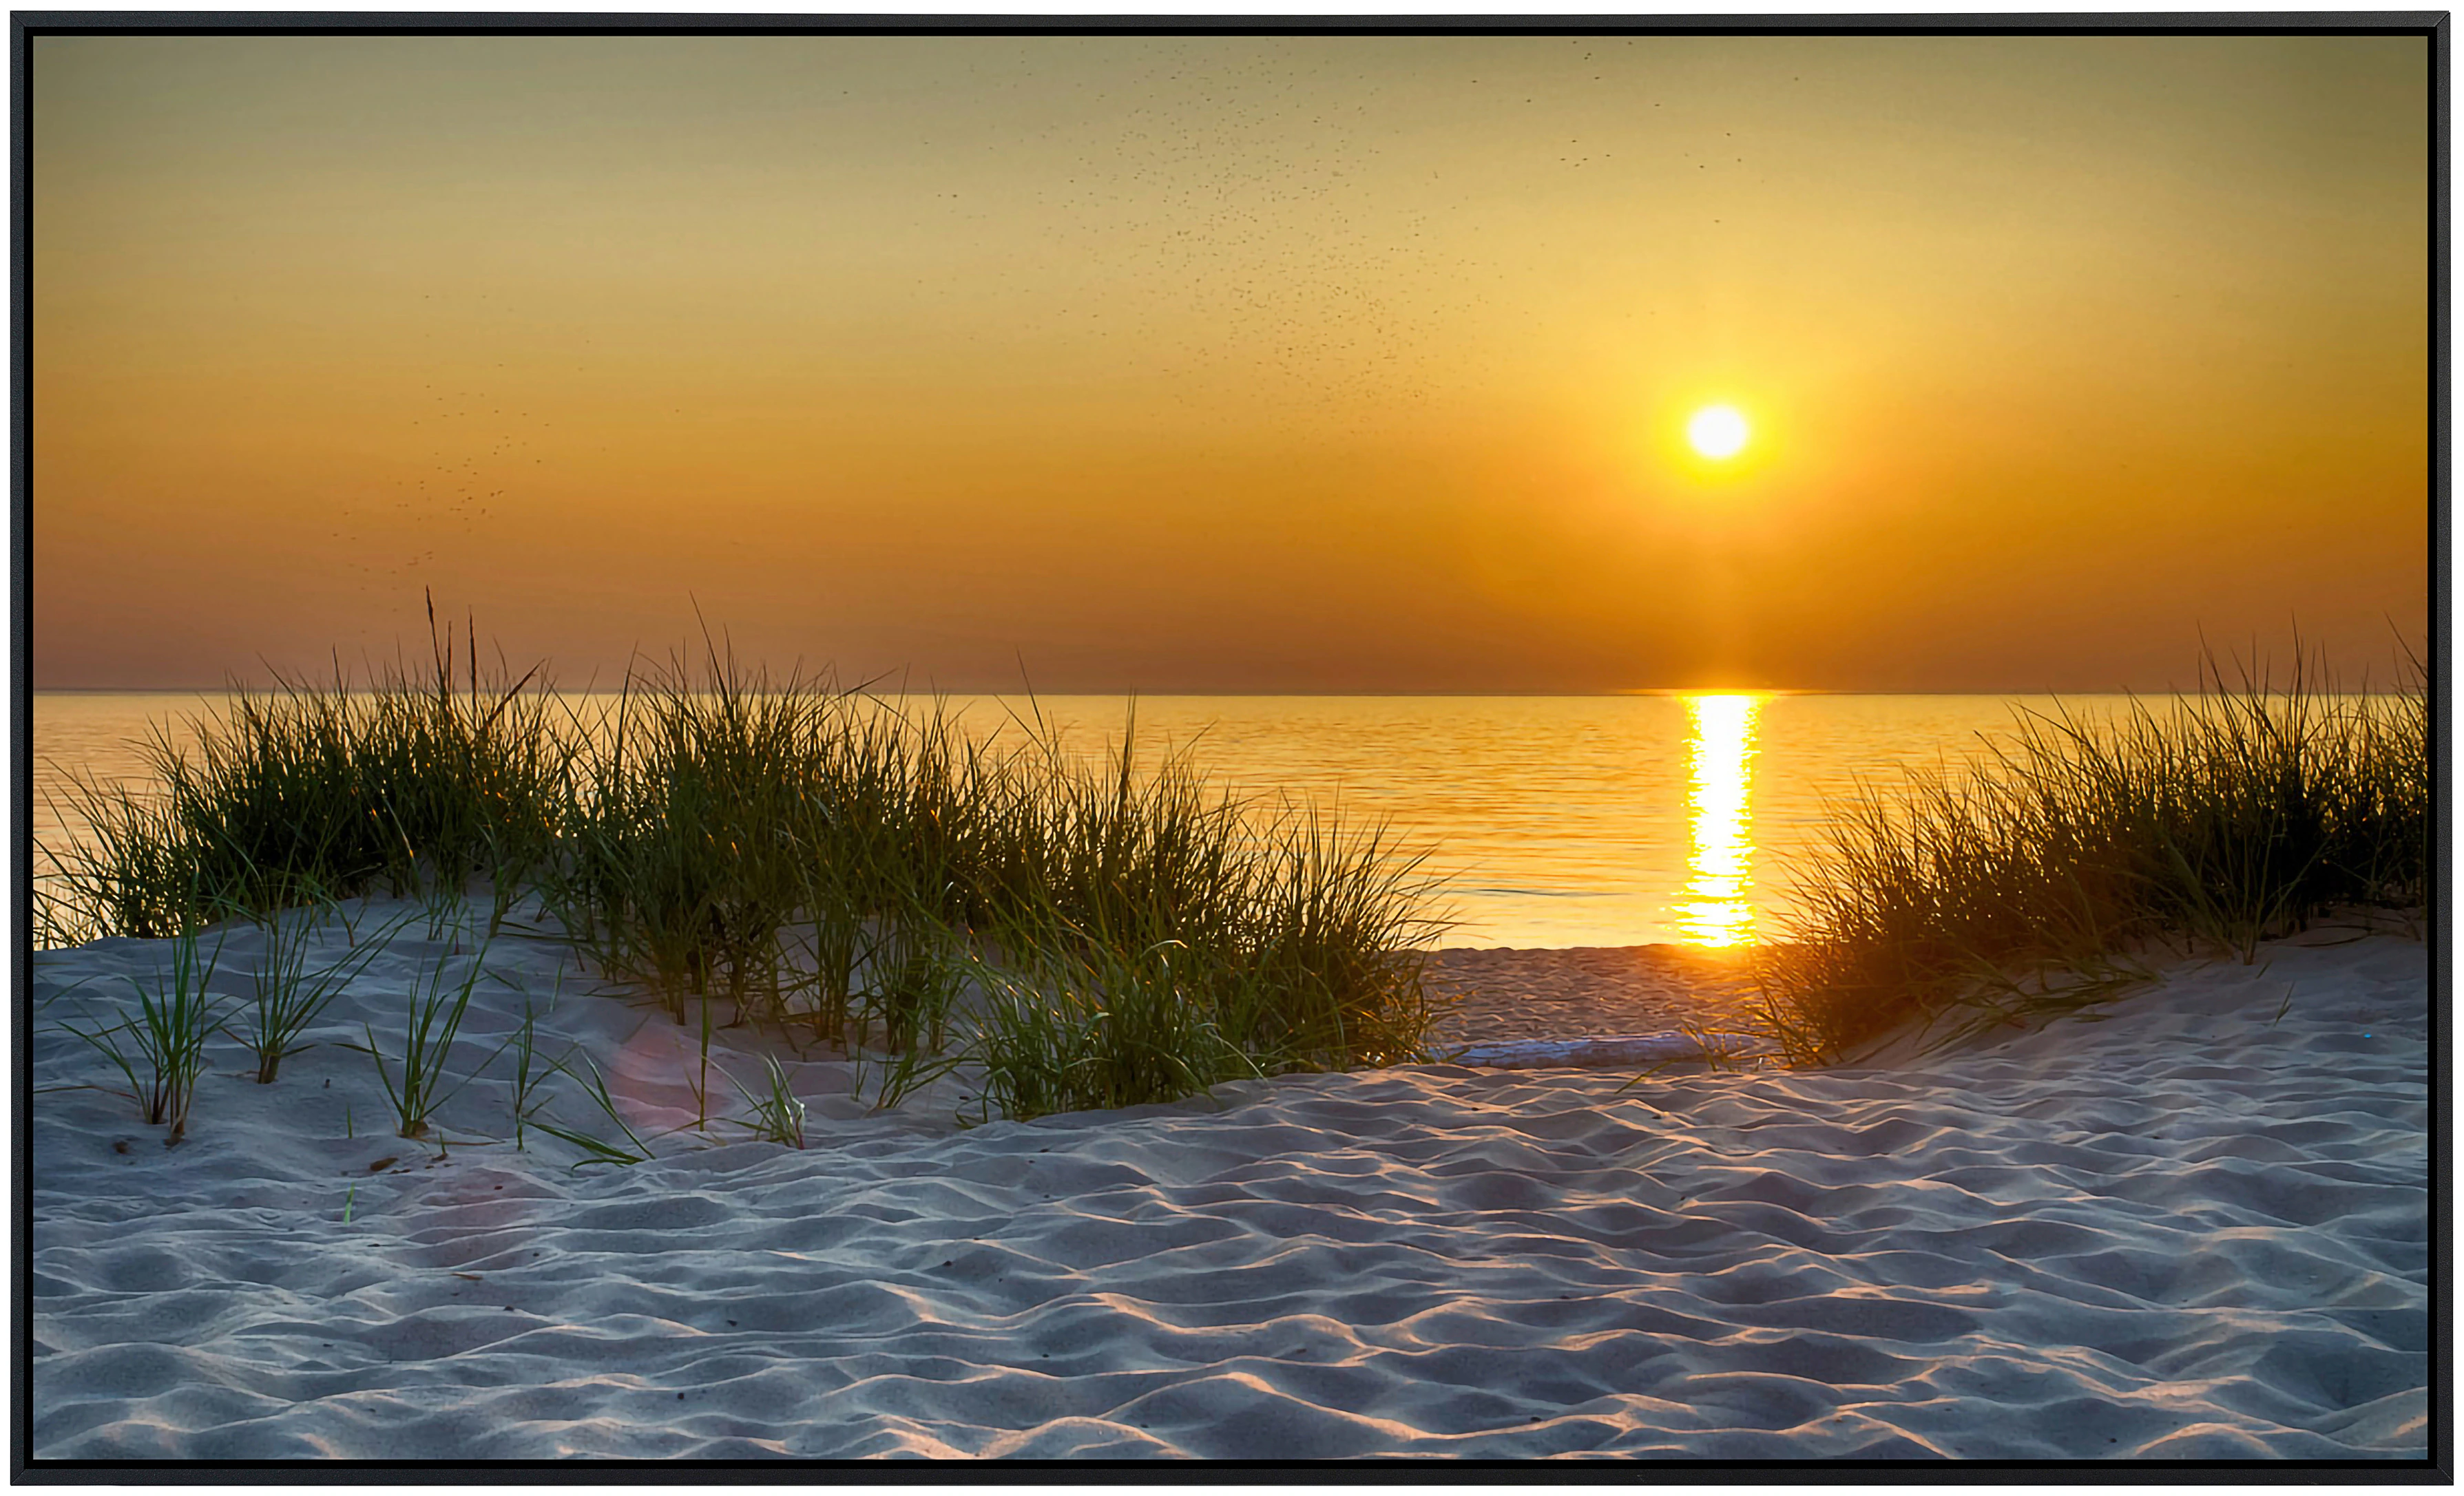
(1237, 205)
(462, 479)
(469, 437)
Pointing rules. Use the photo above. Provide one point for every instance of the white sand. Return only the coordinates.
(2182, 1231)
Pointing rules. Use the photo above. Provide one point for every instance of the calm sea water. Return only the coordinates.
(1558, 821)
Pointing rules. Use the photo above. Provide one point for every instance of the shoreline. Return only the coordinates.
(2188, 1223)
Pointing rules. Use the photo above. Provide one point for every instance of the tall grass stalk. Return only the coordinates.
(528, 1074)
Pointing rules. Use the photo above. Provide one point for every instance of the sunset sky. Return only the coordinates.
(1233, 364)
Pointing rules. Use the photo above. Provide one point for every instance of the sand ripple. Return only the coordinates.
(2181, 1232)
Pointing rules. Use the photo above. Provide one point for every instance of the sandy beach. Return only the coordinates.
(1502, 1000)
(2191, 1224)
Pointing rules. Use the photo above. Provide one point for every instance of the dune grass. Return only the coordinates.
(844, 868)
(1075, 1021)
(317, 792)
(289, 997)
(432, 1022)
(778, 1114)
(176, 1015)
(594, 1086)
(2029, 880)
(523, 1087)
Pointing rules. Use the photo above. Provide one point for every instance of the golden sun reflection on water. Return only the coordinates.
(1716, 910)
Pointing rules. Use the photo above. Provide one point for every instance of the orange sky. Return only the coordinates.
(1233, 364)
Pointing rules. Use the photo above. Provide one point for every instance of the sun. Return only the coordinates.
(1718, 432)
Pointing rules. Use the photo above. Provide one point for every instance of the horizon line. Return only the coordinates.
(1149, 692)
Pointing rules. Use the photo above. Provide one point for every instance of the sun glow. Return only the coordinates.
(1720, 749)
(1718, 432)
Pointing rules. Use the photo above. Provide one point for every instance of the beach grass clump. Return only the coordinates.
(289, 997)
(914, 980)
(1328, 929)
(460, 781)
(777, 1113)
(176, 1015)
(1082, 1022)
(817, 859)
(1297, 933)
(1143, 853)
(717, 828)
(432, 1021)
(2027, 879)
(132, 875)
(307, 793)
(1313, 975)
(836, 863)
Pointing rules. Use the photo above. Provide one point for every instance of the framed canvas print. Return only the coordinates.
(1265, 741)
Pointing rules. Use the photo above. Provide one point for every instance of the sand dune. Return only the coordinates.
(2181, 1230)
